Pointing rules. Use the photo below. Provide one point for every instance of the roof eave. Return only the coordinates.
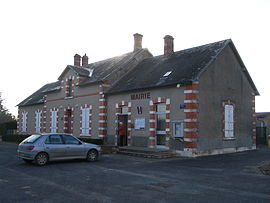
(211, 61)
(184, 82)
(244, 69)
(30, 104)
(90, 83)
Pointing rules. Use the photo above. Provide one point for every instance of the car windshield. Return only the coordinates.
(32, 139)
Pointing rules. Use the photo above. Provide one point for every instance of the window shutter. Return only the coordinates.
(24, 121)
(37, 121)
(85, 121)
(229, 120)
(53, 121)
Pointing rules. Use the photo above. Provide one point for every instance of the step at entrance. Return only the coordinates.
(148, 152)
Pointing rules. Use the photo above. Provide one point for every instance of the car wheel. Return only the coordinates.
(92, 155)
(41, 159)
(27, 161)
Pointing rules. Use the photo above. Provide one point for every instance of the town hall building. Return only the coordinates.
(197, 101)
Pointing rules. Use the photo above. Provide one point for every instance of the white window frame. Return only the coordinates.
(38, 121)
(228, 121)
(160, 132)
(181, 123)
(24, 121)
(124, 110)
(54, 121)
(85, 122)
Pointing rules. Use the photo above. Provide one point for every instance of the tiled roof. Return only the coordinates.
(180, 68)
(129, 72)
(38, 96)
(107, 69)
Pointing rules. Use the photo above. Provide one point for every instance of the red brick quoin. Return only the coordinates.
(191, 117)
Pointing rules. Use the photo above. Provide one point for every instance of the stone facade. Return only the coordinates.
(211, 113)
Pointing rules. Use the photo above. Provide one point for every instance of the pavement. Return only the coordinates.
(120, 178)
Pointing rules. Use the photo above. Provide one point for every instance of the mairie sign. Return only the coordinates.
(140, 96)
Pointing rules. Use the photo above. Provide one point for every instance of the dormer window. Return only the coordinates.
(167, 74)
(91, 72)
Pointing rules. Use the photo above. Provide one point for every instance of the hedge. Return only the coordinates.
(91, 140)
(7, 126)
(14, 138)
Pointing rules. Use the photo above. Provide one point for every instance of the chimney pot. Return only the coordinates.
(84, 60)
(137, 41)
(168, 45)
(77, 60)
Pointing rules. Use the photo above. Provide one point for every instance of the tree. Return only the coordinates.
(7, 121)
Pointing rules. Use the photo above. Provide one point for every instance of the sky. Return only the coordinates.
(38, 39)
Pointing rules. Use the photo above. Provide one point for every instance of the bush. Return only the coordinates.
(8, 127)
(14, 138)
(91, 140)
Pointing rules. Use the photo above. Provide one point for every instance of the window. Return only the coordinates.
(229, 120)
(38, 121)
(178, 129)
(85, 121)
(69, 92)
(53, 121)
(32, 138)
(124, 110)
(161, 118)
(70, 140)
(54, 139)
(167, 74)
(161, 123)
(139, 123)
(24, 121)
(68, 121)
(91, 72)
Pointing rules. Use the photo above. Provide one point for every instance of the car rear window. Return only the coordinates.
(54, 139)
(32, 139)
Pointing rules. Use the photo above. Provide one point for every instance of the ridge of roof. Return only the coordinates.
(244, 69)
(104, 69)
(85, 70)
(185, 65)
(94, 72)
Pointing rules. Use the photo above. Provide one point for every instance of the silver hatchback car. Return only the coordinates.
(42, 148)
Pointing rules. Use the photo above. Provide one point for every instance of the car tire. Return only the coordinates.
(92, 155)
(27, 161)
(41, 159)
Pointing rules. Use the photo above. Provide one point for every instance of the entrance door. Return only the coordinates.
(261, 135)
(122, 119)
(161, 123)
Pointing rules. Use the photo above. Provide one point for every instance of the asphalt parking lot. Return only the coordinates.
(120, 178)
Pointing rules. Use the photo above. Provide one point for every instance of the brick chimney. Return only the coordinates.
(137, 41)
(168, 45)
(77, 60)
(84, 60)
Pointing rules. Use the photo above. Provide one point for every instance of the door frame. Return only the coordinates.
(122, 118)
